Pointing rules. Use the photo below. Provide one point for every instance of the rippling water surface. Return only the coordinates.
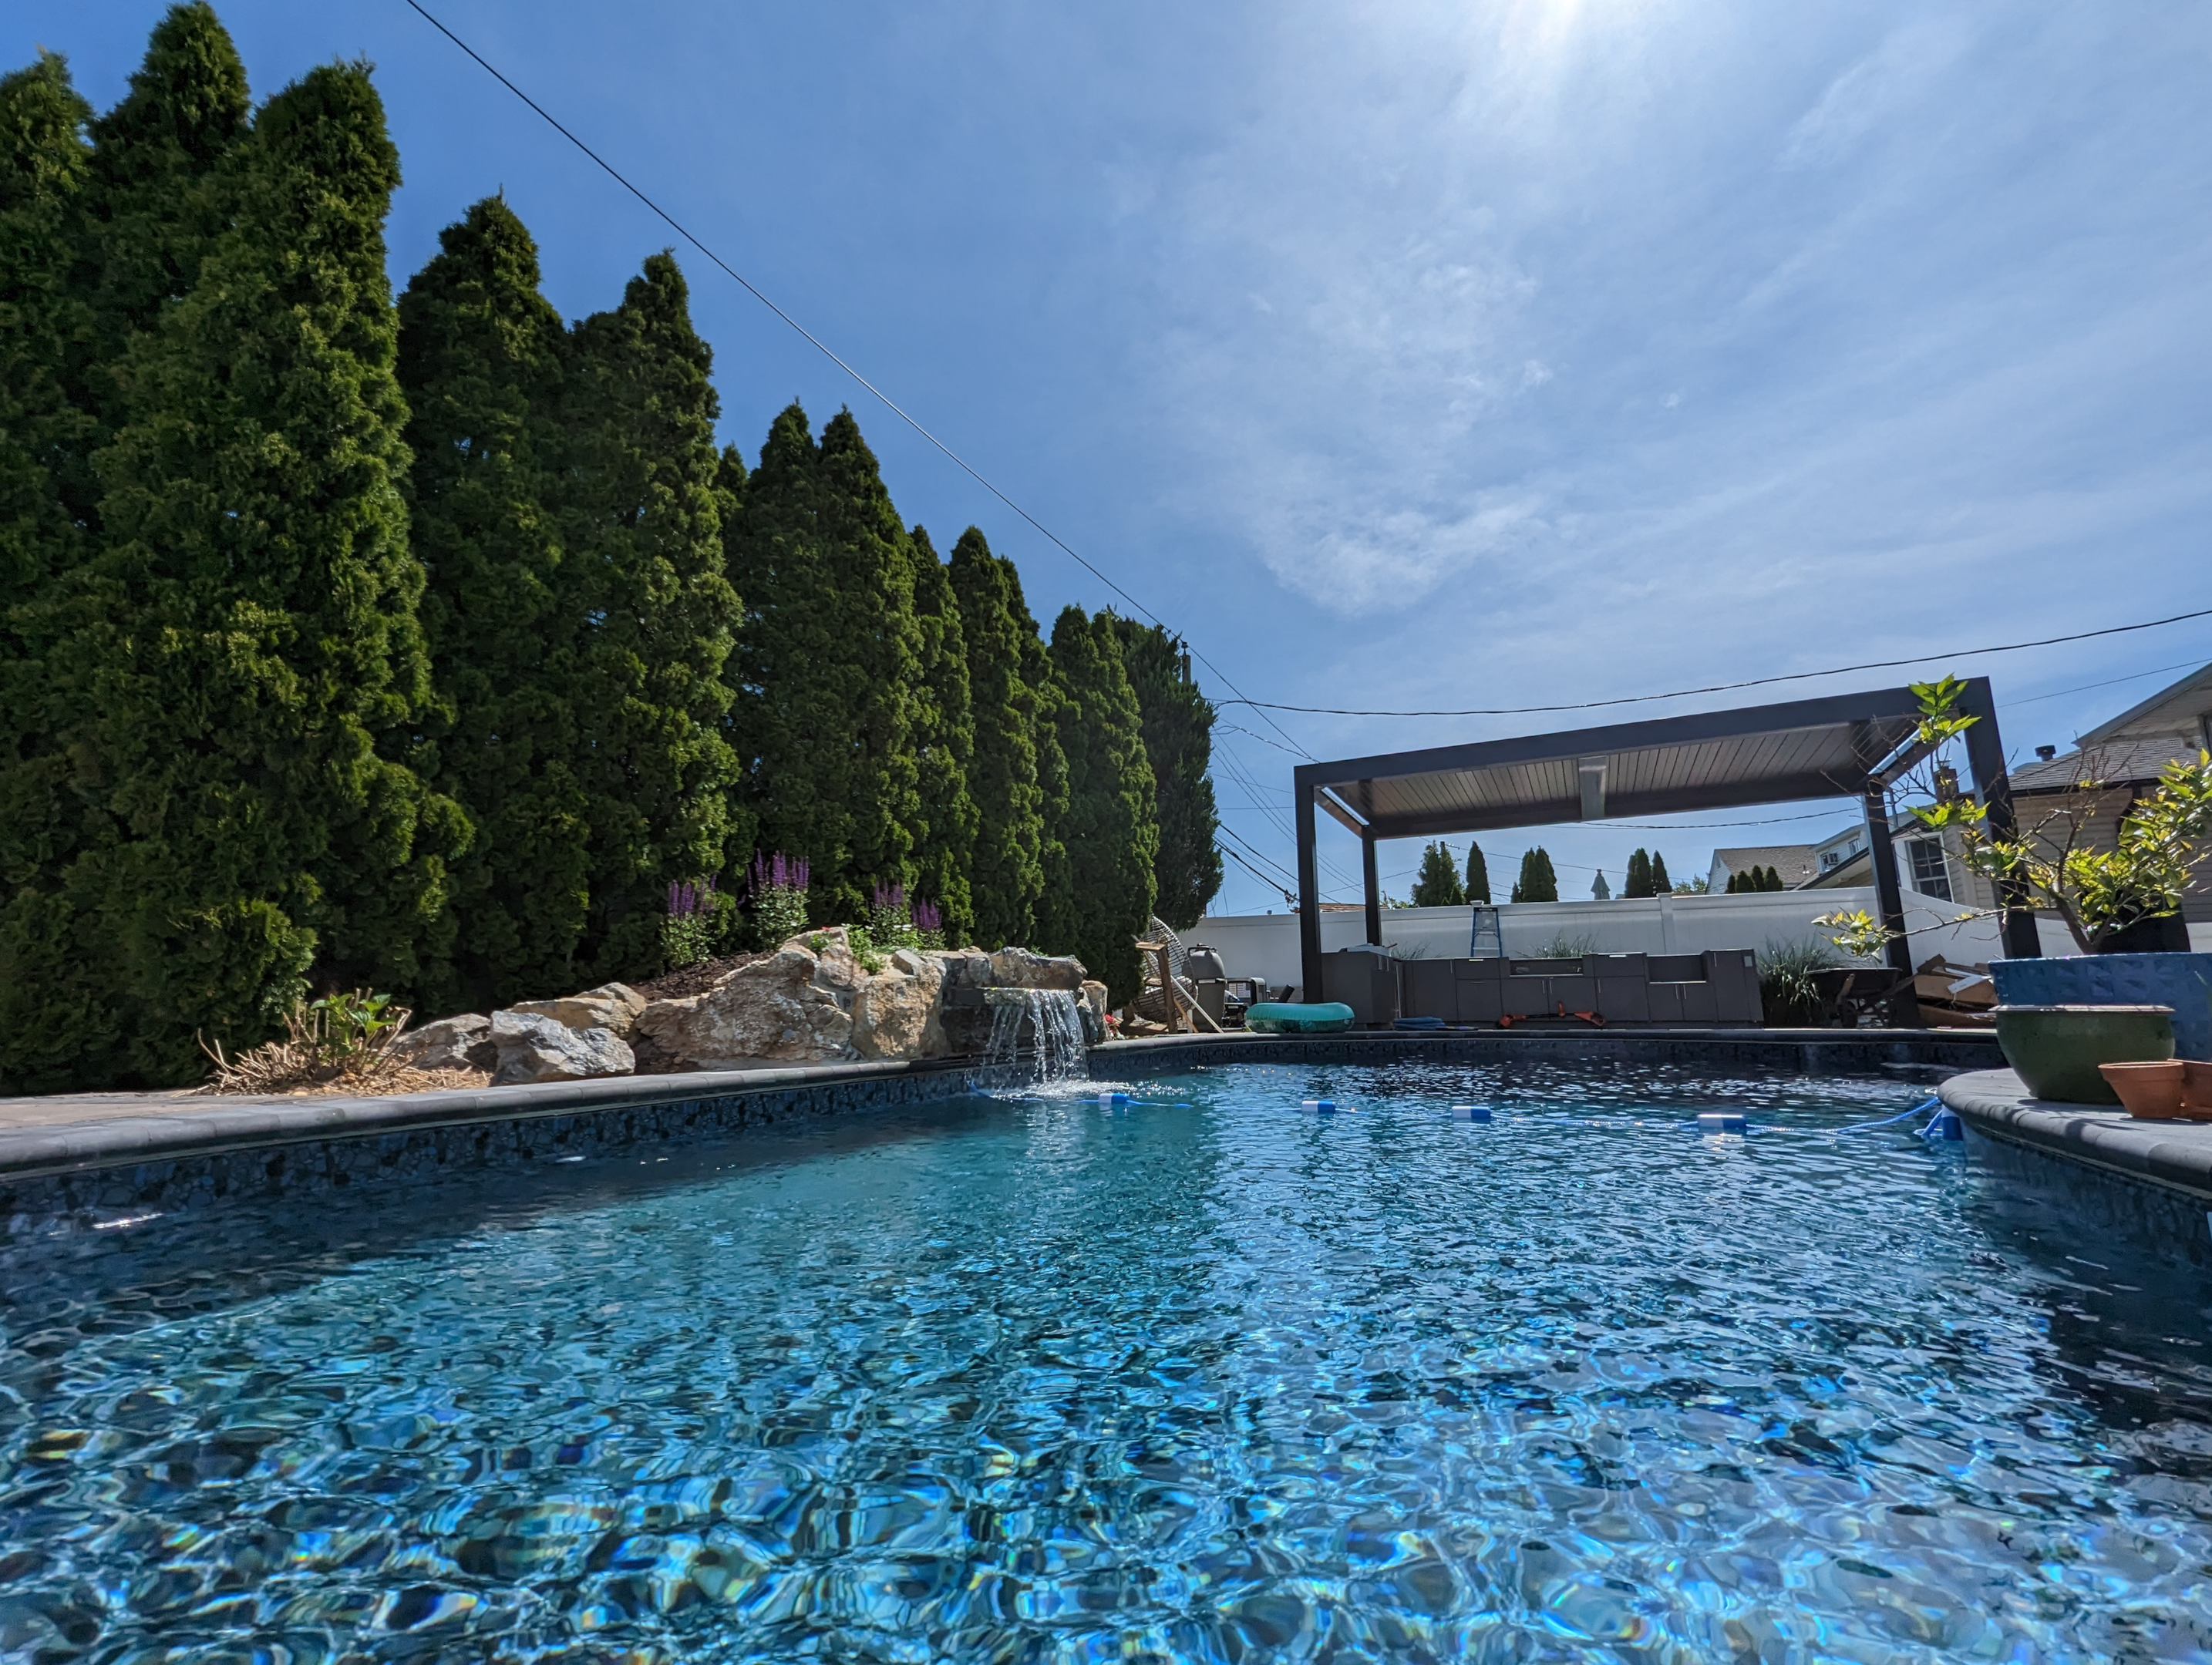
(1204, 1378)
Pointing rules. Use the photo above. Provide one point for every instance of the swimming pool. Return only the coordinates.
(1204, 1376)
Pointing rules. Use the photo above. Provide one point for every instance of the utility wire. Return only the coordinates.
(823, 347)
(1719, 687)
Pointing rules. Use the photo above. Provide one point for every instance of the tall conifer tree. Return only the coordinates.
(1179, 742)
(1538, 881)
(1638, 882)
(831, 656)
(1661, 884)
(1437, 885)
(943, 747)
(480, 353)
(1059, 914)
(161, 191)
(248, 637)
(1111, 827)
(645, 572)
(1006, 868)
(1478, 874)
(45, 324)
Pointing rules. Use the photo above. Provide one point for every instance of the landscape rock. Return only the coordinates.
(896, 1012)
(452, 1043)
(612, 1006)
(533, 1046)
(1022, 968)
(1094, 1011)
(794, 1007)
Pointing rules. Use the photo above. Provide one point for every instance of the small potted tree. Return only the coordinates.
(2111, 901)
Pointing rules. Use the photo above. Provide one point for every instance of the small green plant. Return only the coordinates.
(343, 1037)
(1786, 985)
(1563, 946)
(690, 931)
(890, 922)
(777, 905)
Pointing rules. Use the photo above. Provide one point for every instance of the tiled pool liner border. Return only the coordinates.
(218, 1151)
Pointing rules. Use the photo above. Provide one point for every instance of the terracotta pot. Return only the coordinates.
(2149, 1092)
(2197, 1089)
(2056, 1049)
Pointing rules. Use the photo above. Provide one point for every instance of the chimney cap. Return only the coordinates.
(2046, 753)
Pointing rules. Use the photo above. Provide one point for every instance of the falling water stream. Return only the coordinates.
(1055, 1028)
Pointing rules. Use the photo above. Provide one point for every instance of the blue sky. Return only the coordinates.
(1415, 356)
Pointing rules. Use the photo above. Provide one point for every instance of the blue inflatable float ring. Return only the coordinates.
(1282, 1017)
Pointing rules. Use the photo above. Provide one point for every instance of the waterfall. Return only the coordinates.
(1055, 1026)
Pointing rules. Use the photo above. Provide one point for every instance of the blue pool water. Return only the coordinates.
(1204, 1376)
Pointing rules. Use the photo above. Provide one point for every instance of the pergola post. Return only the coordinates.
(1308, 890)
(1985, 760)
(1889, 896)
(1374, 891)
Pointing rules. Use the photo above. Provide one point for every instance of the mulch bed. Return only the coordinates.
(695, 979)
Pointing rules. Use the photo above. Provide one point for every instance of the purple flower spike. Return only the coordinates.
(928, 916)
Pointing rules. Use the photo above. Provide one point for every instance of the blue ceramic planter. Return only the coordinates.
(2183, 981)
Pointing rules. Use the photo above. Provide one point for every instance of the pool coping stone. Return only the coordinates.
(2175, 1156)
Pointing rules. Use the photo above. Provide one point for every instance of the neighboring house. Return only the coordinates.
(1925, 862)
(2126, 755)
(1794, 862)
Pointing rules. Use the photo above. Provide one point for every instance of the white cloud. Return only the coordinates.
(1876, 88)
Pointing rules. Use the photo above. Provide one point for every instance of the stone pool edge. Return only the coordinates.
(2174, 1156)
(136, 1153)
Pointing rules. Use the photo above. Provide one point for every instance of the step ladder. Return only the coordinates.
(1487, 939)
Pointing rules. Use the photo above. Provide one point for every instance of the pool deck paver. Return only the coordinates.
(2174, 1155)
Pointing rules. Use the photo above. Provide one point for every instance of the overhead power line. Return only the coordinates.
(1265, 706)
(823, 348)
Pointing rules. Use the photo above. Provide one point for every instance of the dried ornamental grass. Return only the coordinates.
(342, 1043)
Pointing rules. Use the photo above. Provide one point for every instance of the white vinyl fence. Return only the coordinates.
(1266, 945)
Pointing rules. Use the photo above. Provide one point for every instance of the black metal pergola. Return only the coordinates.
(1845, 746)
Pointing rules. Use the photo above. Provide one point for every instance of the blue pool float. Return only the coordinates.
(1282, 1017)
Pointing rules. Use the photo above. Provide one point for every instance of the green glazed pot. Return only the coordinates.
(2056, 1049)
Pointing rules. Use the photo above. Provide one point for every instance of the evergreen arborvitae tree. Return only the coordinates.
(1006, 873)
(944, 748)
(1477, 875)
(1437, 885)
(1179, 742)
(1059, 914)
(1734, 883)
(480, 353)
(1537, 883)
(1661, 884)
(645, 572)
(1111, 829)
(830, 656)
(44, 431)
(245, 641)
(161, 190)
(1638, 882)
(44, 327)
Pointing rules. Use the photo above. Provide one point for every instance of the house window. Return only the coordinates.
(1930, 876)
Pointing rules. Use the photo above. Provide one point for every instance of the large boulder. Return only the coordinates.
(1024, 967)
(794, 1007)
(896, 1012)
(452, 1043)
(533, 1046)
(612, 1006)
